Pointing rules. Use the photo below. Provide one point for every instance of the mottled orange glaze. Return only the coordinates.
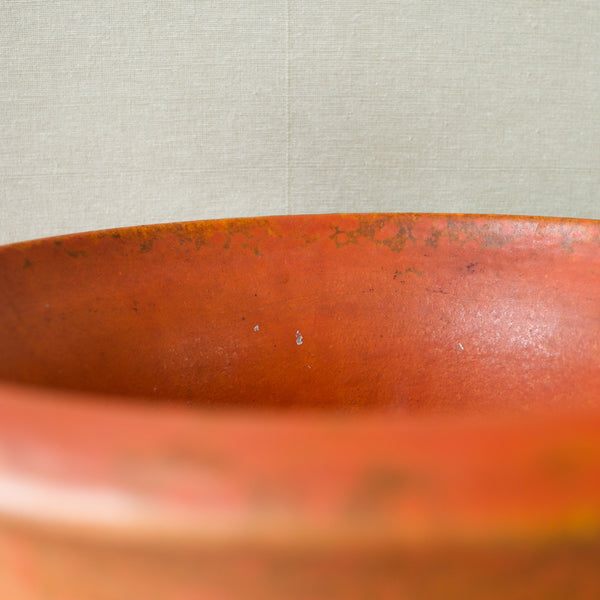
(335, 406)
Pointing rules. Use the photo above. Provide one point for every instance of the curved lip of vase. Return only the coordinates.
(490, 217)
(44, 488)
(50, 442)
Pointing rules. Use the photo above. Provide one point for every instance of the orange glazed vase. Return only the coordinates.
(329, 407)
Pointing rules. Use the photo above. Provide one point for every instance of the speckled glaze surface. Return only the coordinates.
(332, 406)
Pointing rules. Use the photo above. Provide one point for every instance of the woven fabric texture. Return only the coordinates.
(126, 112)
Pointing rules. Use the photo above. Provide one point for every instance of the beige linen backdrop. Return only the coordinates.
(122, 112)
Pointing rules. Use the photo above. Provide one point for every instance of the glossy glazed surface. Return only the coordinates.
(339, 402)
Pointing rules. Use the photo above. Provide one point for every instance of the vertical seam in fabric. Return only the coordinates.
(287, 107)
